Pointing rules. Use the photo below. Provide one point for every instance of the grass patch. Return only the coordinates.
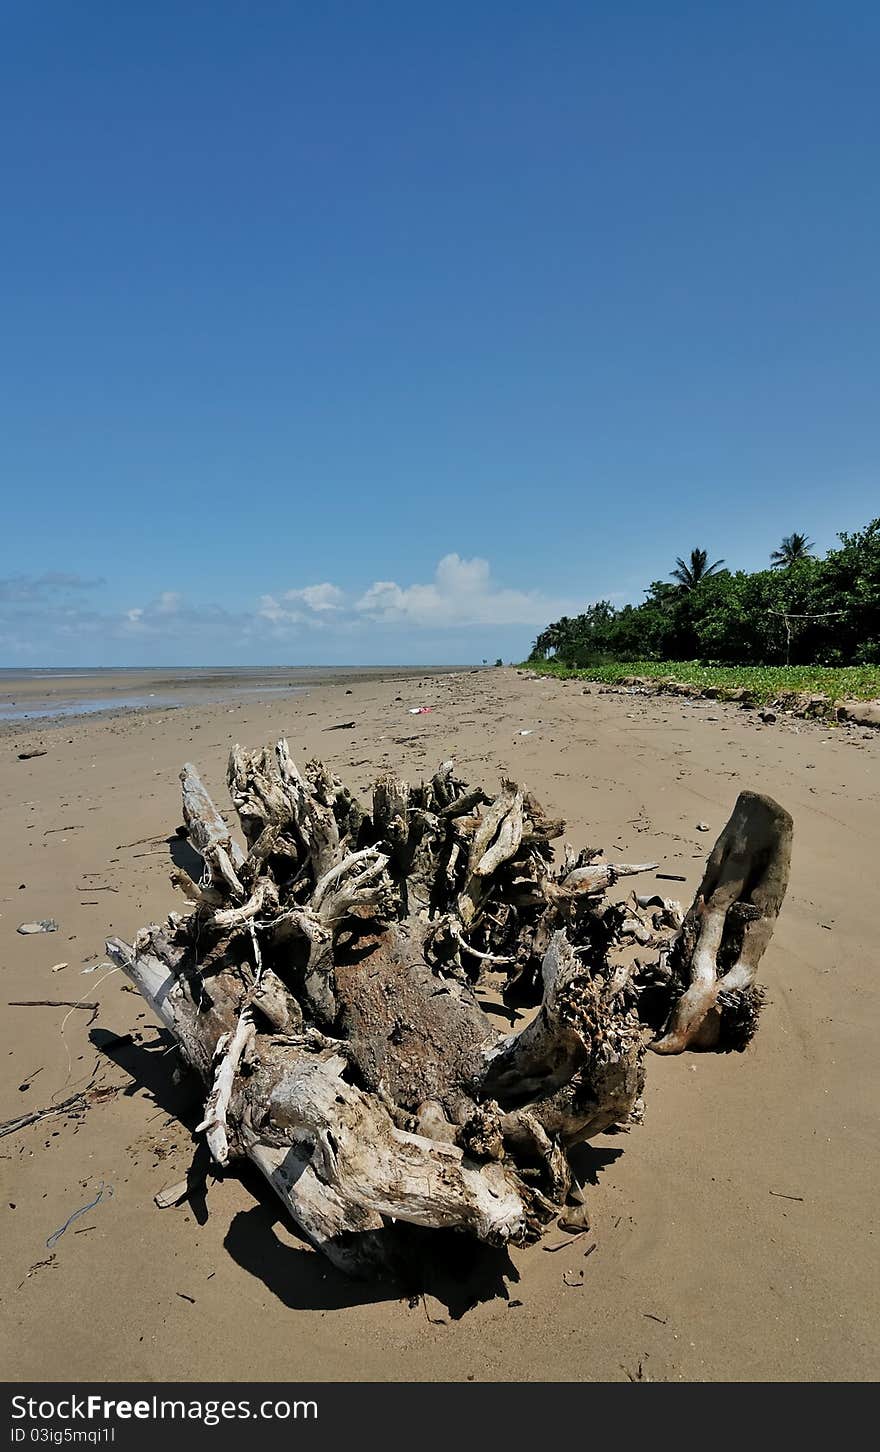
(767, 682)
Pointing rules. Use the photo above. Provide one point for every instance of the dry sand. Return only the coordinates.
(735, 1229)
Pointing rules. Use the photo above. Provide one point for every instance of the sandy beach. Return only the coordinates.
(735, 1230)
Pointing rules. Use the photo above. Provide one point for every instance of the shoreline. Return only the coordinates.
(71, 695)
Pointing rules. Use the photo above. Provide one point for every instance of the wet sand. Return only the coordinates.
(51, 695)
(735, 1228)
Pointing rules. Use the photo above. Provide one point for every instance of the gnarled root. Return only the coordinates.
(328, 987)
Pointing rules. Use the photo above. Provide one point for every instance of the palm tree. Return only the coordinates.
(793, 548)
(689, 576)
(548, 640)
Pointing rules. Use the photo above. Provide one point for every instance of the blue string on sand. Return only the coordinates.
(57, 1234)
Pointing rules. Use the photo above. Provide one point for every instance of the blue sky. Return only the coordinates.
(388, 332)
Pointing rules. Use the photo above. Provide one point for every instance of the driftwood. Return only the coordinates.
(326, 984)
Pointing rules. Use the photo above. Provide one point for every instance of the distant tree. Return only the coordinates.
(690, 575)
(743, 618)
(794, 547)
(548, 640)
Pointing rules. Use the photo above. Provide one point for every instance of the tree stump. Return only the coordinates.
(326, 985)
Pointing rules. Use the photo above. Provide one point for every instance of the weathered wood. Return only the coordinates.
(298, 1097)
(210, 835)
(728, 928)
(327, 988)
(228, 1054)
(357, 1149)
(549, 1051)
(353, 1238)
(417, 1035)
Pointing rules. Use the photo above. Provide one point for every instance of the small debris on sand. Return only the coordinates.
(171, 1195)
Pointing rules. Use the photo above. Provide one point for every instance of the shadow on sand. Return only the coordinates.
(455, 1270)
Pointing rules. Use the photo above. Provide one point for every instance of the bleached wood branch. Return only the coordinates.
(228, 1055)
(210, 835)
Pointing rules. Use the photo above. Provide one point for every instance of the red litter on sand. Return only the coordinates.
(420, 710)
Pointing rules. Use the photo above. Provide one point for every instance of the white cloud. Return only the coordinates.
(151, 618)
(461, 593)
(271, 609)
(319, 597)
(302, 607)
(276, 613)
(169, 615)
(168, 603)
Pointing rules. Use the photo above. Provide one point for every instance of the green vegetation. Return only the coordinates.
(765, 683)
(801, 611)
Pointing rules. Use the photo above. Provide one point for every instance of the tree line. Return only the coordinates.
(802, 610)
